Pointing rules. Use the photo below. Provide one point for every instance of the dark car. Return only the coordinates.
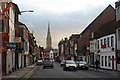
(70, 65)
(47, 63)
(82, 65)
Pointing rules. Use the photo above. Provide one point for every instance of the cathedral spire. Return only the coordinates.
(48, 39)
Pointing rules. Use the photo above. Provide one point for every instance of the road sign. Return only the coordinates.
(11, 45)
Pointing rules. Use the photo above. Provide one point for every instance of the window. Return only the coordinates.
(98, 44)
(102, 60)
(104, 41)
(26, 46)
(1, 26)
(105, 60)
(101, 42)
(112, 41)
(109, 61)
(119, 34)
(108, 42)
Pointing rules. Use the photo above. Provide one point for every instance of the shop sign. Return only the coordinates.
(17, 39)
(4, 37)
(26, 53)
(3, 48)
(11, 45)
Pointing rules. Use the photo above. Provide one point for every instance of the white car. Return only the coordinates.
(70, 65)
(39, 62)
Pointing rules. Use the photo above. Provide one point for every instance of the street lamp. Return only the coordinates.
(27, 11)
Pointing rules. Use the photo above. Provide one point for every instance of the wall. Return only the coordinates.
(107, 52)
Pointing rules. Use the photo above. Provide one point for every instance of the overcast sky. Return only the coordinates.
(66, 17)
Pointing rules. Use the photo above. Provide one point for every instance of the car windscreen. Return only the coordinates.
(82, 63)
(39, 60)
(62, 61)
(70, 62)
(47, 62)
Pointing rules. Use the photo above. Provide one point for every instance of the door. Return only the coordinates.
(3, 63)
(112, 62)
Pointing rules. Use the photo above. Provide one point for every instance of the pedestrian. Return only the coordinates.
(97, 64)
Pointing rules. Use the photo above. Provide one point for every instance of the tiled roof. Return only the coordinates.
(106, 29)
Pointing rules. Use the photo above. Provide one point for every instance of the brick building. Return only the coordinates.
(84, 40)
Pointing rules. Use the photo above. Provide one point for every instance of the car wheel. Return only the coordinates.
(87, 68)
(52, 66)
(43, 67)
(64, 69)
(75, 69)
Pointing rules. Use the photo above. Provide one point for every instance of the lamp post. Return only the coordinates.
(25, 52)
(27, 11)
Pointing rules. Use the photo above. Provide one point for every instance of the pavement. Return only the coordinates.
(27, 71)
(20, 73)
(115, 73)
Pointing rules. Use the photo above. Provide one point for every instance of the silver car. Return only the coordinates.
(70, 65)
(82, 65)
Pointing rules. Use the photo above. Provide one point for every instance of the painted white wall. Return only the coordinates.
(118, 38)
(107, 48)
(107, 54)
(51, 54)
(20, 63)
(9, 61)
(11, 58)
(107, 51)
(22, 60)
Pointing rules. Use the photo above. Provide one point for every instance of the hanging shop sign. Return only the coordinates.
(3, 48)
(4, 37)
(17, 39)
(26, 53)
(11, 45)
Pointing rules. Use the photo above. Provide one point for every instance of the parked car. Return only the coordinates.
(70, 65)
(82, 65)
(62, 63)
(47, 63)
(39, 62)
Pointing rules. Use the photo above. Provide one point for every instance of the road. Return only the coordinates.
(57, 72)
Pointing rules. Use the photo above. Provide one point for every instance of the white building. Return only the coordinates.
(117, 6)
(106, 45)
(11, 53)
(51, 55)
(103, 46)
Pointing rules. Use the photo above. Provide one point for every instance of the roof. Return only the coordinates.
(106, 29)
(88, 27)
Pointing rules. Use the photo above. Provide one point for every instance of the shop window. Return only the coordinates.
(102, 60)
(109, 61)
(108, 42)
(98, 44)
(105, 60)
(112, 41)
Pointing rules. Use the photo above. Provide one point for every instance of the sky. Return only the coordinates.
(66, 17)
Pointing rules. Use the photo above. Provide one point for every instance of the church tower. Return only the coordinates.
(48, 39)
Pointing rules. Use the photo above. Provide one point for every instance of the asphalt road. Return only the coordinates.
(57, 72)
